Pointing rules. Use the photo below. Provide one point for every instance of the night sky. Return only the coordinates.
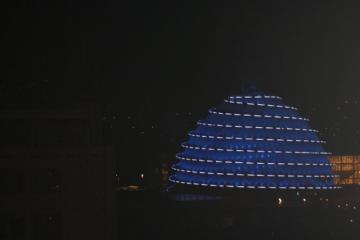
(155, 68)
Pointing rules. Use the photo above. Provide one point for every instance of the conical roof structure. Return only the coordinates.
(254, 141)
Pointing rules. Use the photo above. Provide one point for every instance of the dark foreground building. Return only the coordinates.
(254, 141)
(56, 175)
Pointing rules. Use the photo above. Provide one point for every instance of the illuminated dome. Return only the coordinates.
(253, 141)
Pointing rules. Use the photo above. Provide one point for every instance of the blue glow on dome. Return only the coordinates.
(254, 141)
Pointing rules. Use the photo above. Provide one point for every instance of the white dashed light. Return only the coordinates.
(256, 97)
(252, 150)
(251, 174)
(255, 127)
(213, 111)
(259, 104)
(251, 186)
(250, 162)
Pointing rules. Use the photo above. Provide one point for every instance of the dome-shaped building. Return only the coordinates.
(253, 141)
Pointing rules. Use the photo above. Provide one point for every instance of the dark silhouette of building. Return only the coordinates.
(56, 175)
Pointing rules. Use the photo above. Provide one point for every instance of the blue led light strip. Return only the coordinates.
(254, 127)
(256, 175)
(212, 111)
(260, 104)
(256, 97)
(250, 186)
(251, 162)
(255, 139)
(251, 150)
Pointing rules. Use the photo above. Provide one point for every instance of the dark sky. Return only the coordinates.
(156, 67)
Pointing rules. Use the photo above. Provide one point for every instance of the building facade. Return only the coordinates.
(348, 169)
(253, 141)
